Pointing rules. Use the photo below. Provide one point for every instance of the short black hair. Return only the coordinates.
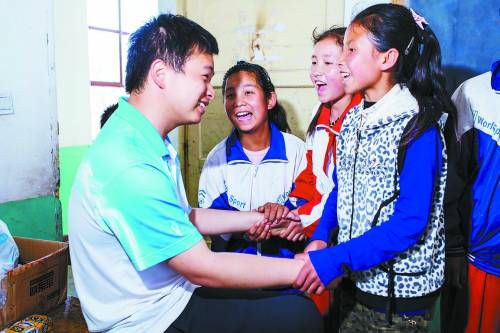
(107, 113)
(333, 32)
(171, 38)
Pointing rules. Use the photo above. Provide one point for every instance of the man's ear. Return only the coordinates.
(271, 101)
(389, 59)
(158, 72)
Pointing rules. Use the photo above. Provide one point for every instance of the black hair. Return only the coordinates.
(333, 32)
(418, 65)
(336, 33)
(171, 38)
(277, 115)
(107, 113)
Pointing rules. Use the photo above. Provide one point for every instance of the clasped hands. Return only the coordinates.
(278, 221)
(282, 222)
(308, 280)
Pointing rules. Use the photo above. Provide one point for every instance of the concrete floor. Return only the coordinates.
(68, 317)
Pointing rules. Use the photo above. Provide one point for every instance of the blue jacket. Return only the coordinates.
(478, 107)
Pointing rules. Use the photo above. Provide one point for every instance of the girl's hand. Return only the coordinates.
(316, 245)
(308, 280)
(273, 212)
(259, 231)
(293, 232)
(293, 215)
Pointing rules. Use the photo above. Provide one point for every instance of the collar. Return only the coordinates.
(324, 116)
(142, 125)
(495, 76)
(397, 103)
(276, 152)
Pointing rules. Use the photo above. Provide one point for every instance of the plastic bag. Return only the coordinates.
(9, 255)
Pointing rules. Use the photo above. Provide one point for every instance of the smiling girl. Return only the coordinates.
(256, 164)
(314, 183)
(391, 172)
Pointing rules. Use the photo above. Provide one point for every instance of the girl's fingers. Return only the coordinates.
(267, 212)
(268, 235)
(299, 281)
(320, 290)
(262, 234)
(279, 213)
(272, 214)
(307, 283)
(253, 228)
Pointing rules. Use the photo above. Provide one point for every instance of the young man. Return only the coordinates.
(136, 247)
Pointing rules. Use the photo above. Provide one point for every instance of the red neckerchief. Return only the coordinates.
(334, 129)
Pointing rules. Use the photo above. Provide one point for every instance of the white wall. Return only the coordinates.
(168, 6)
(28, 137)
(72, 72)
(102, 97)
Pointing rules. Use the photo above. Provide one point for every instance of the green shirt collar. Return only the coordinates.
(138, 121)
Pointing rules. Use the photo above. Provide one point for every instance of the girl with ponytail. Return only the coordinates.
(256, 164)
(390, 176)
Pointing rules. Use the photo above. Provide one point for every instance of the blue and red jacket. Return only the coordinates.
(314, 183)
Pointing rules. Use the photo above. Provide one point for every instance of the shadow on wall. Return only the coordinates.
(468, 32)
(294, 120)
(455, 75)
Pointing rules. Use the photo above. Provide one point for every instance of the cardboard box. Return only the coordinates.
(39, 283)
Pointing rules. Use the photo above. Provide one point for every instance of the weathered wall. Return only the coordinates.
(28, 149)
(29, 142)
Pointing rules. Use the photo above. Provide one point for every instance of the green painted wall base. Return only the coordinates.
(69, 160)
(36, 218)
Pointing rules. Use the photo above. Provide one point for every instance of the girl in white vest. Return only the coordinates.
(390, 176)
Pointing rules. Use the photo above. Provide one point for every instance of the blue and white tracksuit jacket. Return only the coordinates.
(230, 181)
(383, 216)
(478, 107)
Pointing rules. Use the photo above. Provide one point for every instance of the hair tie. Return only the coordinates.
(419, 20)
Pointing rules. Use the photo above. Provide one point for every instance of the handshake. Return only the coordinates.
(278, 221)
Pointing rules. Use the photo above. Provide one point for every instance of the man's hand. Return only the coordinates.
(273, 212)
(308, 280)
(316, 245)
